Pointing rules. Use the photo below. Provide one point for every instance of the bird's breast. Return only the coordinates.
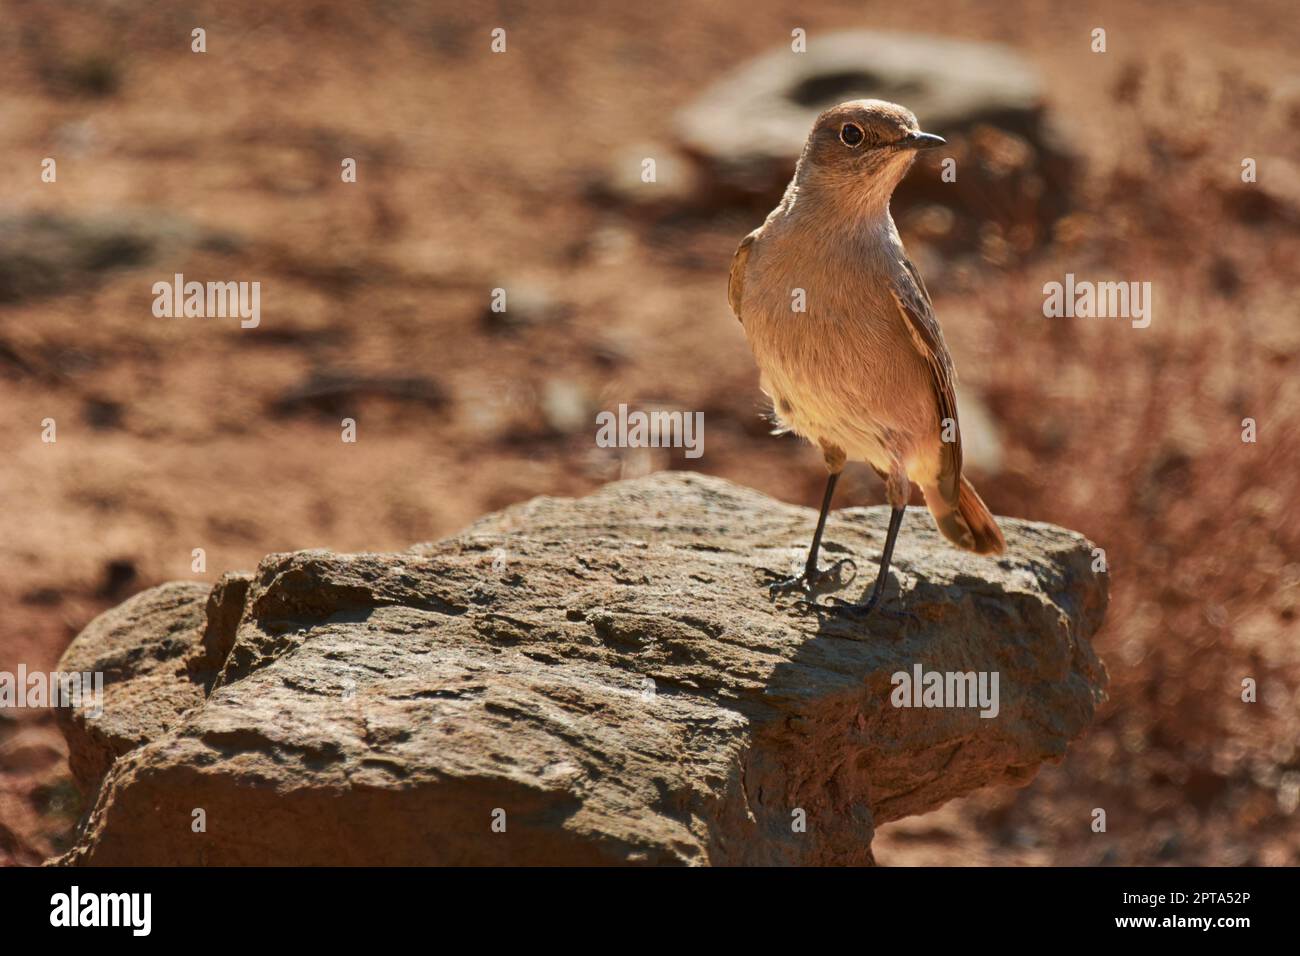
(832, 348)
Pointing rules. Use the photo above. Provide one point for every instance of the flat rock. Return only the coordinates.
(601, 680)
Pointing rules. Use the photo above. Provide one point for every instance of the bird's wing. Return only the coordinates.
(736, 283)
(918, 314)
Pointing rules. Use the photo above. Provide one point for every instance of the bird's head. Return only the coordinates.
(862, 148)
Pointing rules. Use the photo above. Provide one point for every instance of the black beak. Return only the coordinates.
(921, 141)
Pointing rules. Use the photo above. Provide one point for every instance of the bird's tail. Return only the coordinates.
(967, 523)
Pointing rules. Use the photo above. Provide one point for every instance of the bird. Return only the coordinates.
(845, 337)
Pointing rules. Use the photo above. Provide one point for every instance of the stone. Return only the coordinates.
(759, 114)
(675, 183)
(1273, 197)
(45, 254)
(600, 680)
(159, 653)
(527, 304)
(1015, 167)
(566, 406)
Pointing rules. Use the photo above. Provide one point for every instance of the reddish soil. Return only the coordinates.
(474, 172)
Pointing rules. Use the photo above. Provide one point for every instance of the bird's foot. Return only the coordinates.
(811, 581)
(848, 610)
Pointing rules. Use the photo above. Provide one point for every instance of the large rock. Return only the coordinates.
(759, 114)
(600, 680)
(1015, 167)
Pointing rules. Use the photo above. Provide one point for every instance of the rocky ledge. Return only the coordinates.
(601, 680)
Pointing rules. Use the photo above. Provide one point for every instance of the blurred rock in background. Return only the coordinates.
(737, 141)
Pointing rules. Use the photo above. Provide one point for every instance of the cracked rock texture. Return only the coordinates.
(601, 680)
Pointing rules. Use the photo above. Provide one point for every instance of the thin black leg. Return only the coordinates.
(877, 590)
(810, 569)
(813, 576)
(895, 522)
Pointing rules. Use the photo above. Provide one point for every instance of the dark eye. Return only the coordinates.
(851, 135)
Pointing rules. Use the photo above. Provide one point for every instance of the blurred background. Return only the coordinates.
(522, 170)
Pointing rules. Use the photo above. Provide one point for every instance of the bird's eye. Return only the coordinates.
(851, 135)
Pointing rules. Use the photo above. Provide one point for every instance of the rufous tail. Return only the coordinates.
(970, 524)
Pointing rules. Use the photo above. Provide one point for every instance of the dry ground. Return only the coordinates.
(475, 172)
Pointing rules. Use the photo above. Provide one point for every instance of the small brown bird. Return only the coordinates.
(844, 334)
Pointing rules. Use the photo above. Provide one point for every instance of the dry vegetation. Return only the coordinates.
(475, 170)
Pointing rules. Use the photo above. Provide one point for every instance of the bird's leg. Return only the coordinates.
(869, 605)
(813, 576)
(897, 491)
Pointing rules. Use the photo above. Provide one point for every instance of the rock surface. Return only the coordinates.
(601, 680)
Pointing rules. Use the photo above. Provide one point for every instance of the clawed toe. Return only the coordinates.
(855, 609)
(808, 583)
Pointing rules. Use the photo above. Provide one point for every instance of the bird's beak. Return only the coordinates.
(921, 141)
